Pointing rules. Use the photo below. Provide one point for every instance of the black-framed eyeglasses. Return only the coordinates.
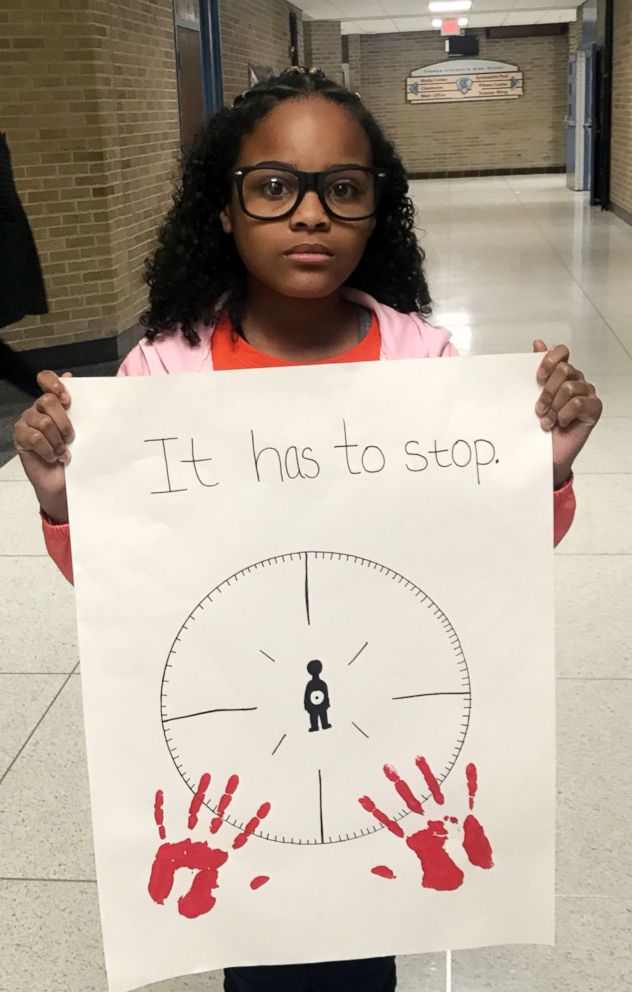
(271, 192)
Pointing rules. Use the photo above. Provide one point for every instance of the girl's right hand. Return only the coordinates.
(40, 437)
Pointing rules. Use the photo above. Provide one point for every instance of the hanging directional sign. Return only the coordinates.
(464, 79)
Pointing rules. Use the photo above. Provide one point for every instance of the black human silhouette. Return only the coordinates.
(317, 698)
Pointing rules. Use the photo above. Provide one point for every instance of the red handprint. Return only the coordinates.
(438, 870)
(205, 861)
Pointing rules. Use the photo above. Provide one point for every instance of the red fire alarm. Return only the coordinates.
(450, 26)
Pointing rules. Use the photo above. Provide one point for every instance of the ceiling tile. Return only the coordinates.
(564, 14)
(378, 25)
(487, 20)
(357, 14)
(413, 23)
(321, 10)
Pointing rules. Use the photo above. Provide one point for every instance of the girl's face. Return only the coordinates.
(311, 134)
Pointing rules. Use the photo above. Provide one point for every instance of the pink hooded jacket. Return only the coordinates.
(402, 336)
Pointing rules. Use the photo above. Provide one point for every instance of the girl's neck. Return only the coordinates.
(299, 329)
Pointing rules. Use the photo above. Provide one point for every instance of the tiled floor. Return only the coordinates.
(509, 260)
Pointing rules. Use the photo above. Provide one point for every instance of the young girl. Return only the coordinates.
(291, 241)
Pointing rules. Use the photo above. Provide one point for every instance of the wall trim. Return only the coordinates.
(620, 212)
(470, 173)
(78, 353)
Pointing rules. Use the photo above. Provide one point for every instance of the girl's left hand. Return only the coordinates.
(568, 407)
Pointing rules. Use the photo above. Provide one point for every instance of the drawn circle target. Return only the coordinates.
(305, 674)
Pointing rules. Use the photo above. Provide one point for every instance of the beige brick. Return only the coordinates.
(526, 132)
(86, 86)
(254, 32)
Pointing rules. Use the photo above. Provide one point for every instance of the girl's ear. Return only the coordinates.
(225, 217)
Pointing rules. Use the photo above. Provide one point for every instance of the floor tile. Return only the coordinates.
(421, 973)
(21, 530)
(45, 820)
(609, 448)
(38, 616)
(51, 942)
(12, 471)
(615, 392)
(593, 349)
(23, 701)
(593, 616)
(602, 523)
(591, 954)
(594, 855)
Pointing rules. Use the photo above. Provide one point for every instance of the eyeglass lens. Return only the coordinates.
(269, 192)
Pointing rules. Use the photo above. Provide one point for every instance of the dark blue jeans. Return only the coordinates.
(370, 975)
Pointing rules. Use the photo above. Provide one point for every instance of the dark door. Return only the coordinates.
(189, 83)
(600, 188)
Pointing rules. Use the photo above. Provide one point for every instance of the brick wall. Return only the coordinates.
(254, 32)
(88, 99)
(621, 150)
(575, 33)
(523, 133)
(323, 47)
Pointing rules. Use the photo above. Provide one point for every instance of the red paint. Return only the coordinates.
(251, 826)
(385, 820)
(404, 790)
(199, 857)
(472, 783)
(476, 845)
(438, 870)
(196, 856)
(198, 799)
(431, 781)
(383, 871)
(224, 803)
(159, 813)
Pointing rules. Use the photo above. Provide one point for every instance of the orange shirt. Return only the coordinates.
(229, 351)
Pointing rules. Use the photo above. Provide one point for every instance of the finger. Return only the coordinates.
(551, 360)
(561, 374)
(50, 406)
(50, 383)
(46, 425)
(539, 345)
(568, 391)
(159, 813)
(29, 440)
(584, 409)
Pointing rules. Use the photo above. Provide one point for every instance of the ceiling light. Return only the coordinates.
(436, 22)
(449, 6)
(463, 22)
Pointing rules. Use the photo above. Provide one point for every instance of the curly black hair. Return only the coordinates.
(195, 263)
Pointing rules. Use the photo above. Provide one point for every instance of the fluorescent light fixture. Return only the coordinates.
(463, 22)
(436, 22)
(449, 6)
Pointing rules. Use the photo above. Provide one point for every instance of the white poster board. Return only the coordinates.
(330, 590)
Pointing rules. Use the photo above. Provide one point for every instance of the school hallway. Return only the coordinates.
(510, 259)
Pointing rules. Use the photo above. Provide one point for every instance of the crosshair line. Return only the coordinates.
(365, 645)
(320, 803)
(421, 695)
(279, 745)
(309, 622)
(228, 709)
(361, 730)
